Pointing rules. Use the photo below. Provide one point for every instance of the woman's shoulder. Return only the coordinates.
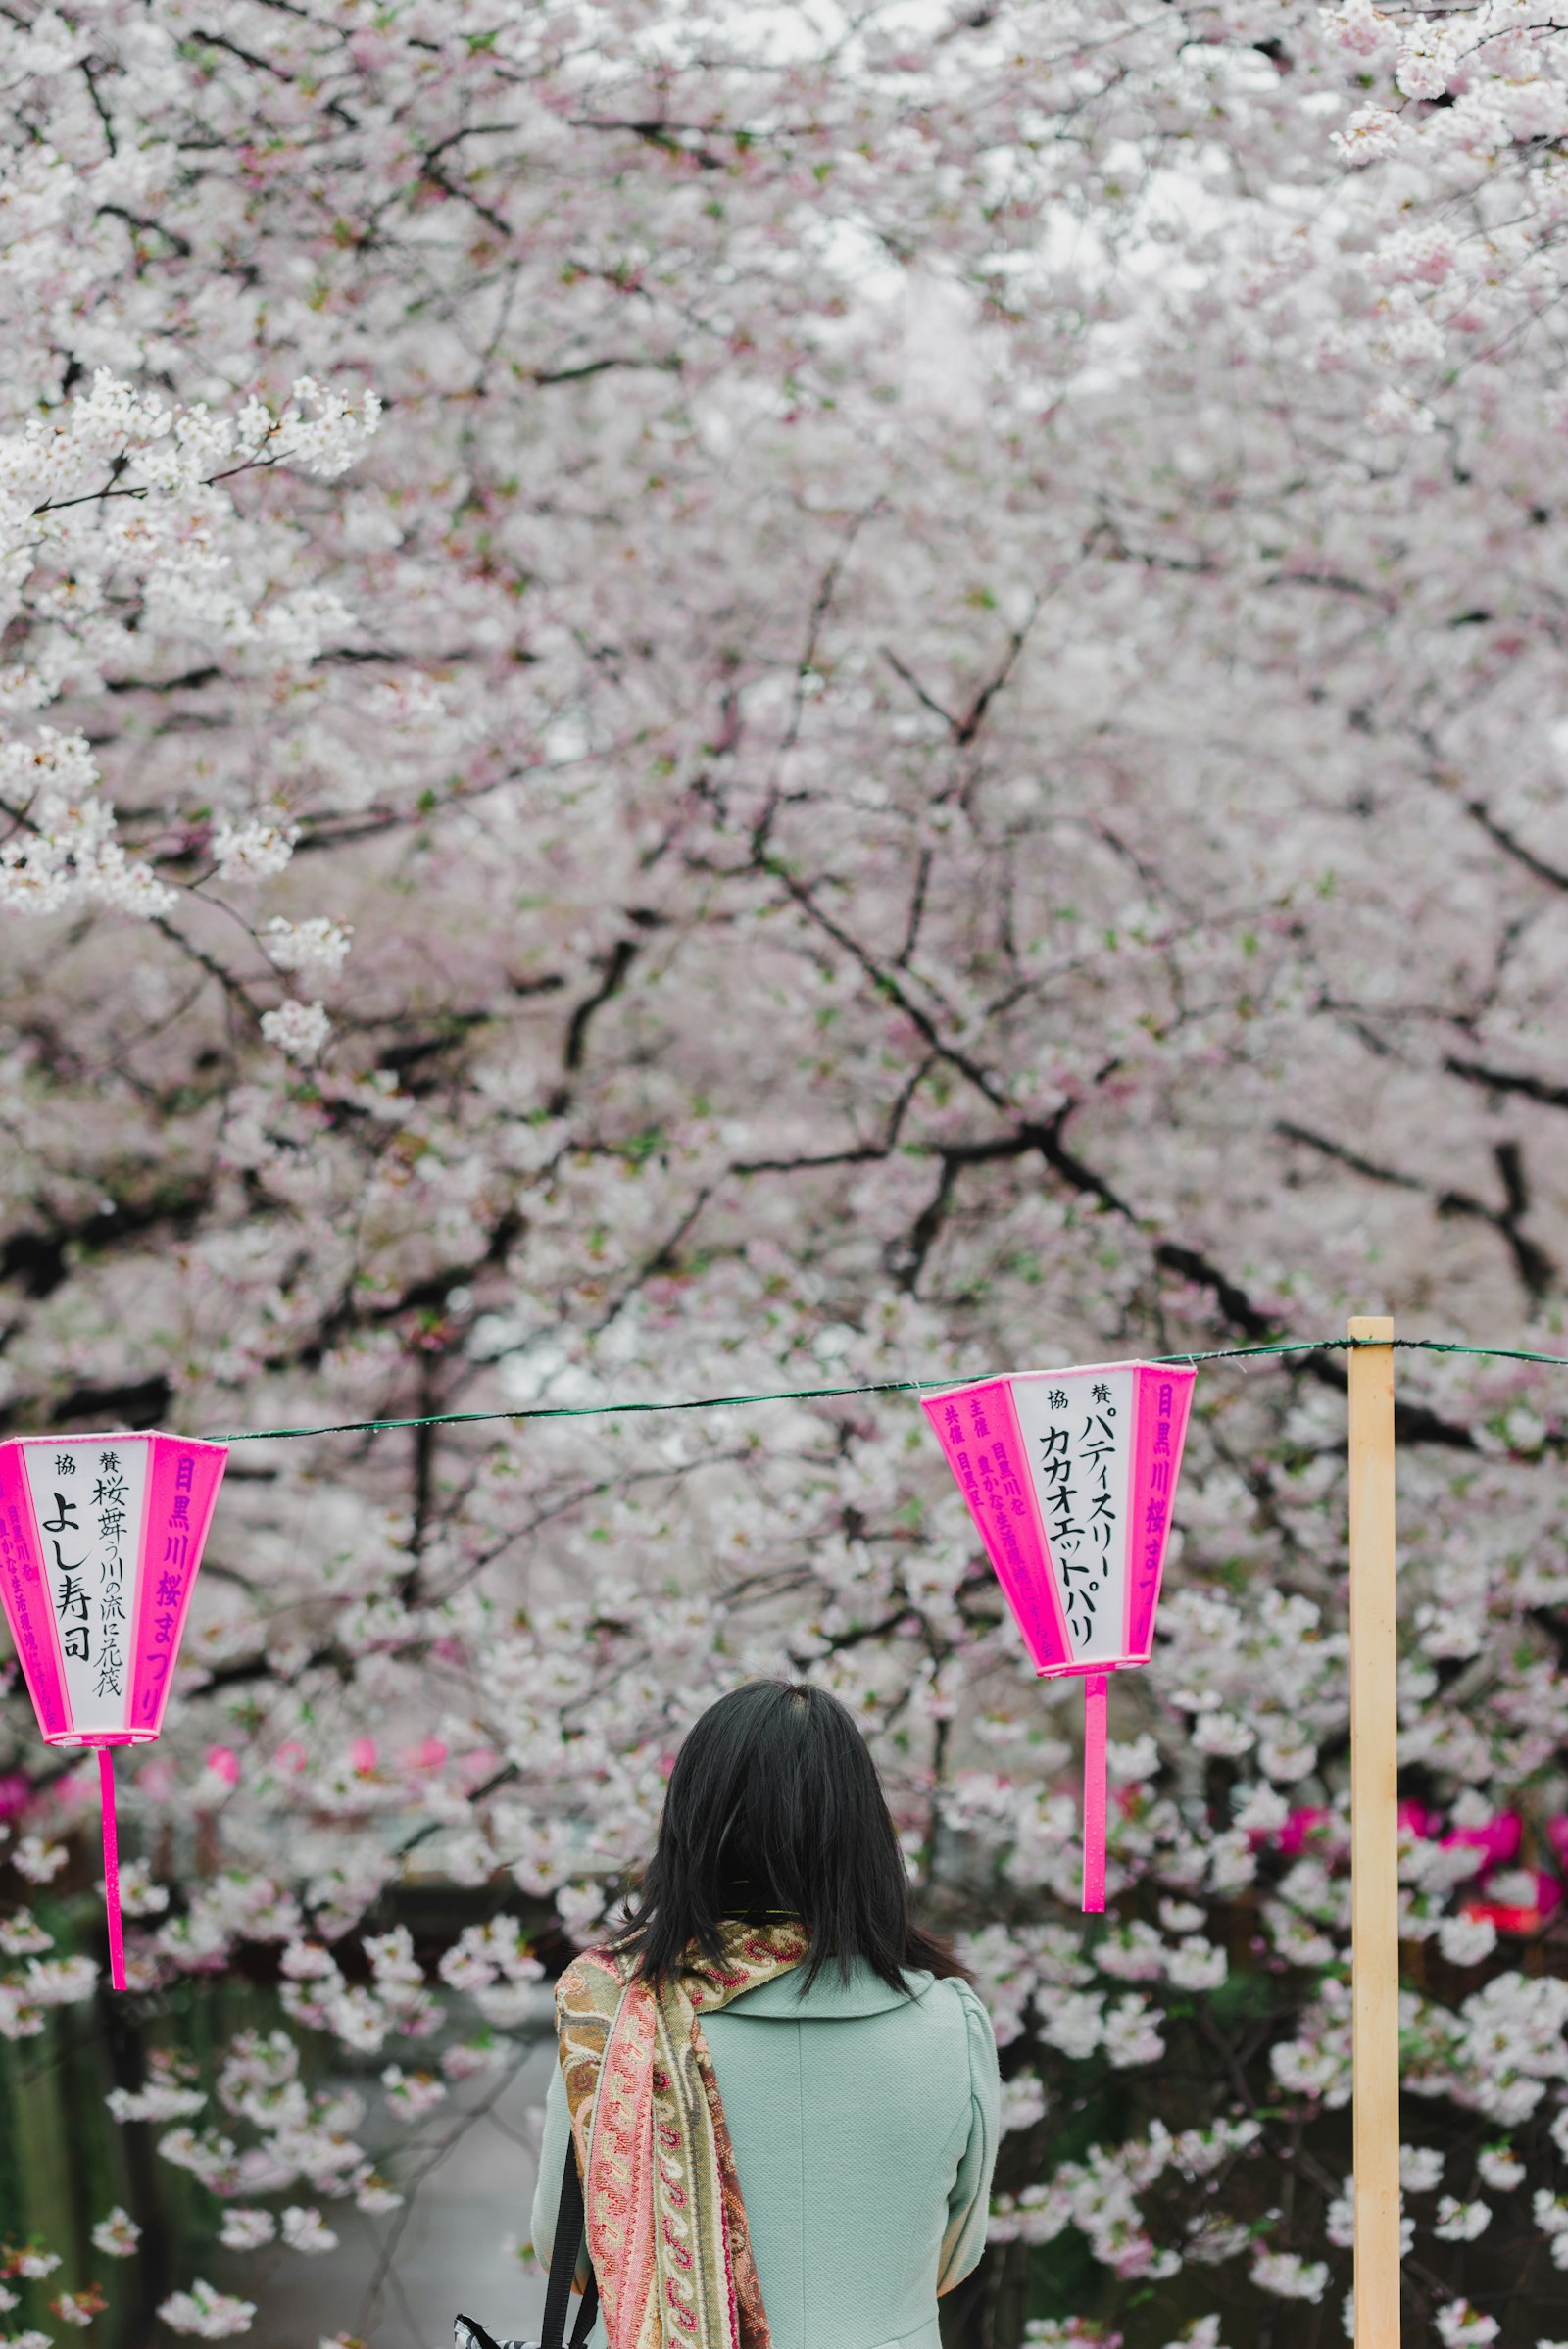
(950, 2027)
(590, 1985)
(953, 1996)
(963, 2011)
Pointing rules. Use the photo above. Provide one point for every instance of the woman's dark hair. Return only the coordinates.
(774, 1808)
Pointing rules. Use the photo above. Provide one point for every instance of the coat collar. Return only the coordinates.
(829, 1999)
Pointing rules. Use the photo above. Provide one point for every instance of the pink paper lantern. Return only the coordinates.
(100, 1539)
(1070, 1475)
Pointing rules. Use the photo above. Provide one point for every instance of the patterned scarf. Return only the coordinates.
(666, 2225)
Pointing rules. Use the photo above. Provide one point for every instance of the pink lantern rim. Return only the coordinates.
(85, 1737)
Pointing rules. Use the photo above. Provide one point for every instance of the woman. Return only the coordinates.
(783, 2095)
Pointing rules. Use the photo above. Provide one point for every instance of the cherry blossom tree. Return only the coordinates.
(709, 701)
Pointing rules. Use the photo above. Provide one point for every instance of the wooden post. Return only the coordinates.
(1374, 1837)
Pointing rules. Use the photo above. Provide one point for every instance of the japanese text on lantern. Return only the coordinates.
(109, 1507)
(18, 1567)
(1076, 1452)
(169, 1570)
(89, 1583)
(1151, 1533)
(72, 1603)
(976, 1429)
(986, 1469)
(1077, 1432)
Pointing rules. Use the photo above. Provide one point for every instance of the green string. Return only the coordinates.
(813, 1394)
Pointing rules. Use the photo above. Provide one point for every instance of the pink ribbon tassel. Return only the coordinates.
(1096, 1685)
(117, 1934)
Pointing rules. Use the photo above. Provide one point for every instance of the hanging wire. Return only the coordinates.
(815, 1394)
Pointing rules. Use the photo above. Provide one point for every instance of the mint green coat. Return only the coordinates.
(864, 2126)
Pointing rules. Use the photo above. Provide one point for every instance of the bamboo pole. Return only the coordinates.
(1374, 1837)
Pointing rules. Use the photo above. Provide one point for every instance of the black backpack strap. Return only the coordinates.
(587, 2312)
(563, 2258)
